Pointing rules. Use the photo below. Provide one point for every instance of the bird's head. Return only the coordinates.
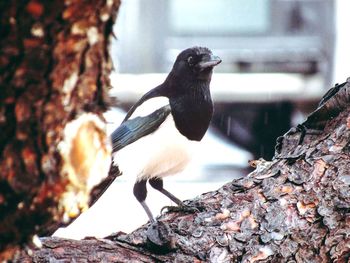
(195, 63)
(192, 65)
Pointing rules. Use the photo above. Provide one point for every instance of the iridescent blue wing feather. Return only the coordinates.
(133, 129)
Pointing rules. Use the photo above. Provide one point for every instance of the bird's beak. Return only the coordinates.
(208, 61)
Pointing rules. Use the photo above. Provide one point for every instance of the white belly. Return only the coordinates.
(162, 153)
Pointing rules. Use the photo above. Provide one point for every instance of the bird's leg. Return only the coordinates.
(158, 233)
(157, 183)
(140, 192)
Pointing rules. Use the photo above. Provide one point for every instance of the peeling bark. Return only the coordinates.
(54, 79)
(295, 208)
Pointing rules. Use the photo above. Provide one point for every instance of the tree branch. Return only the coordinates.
(295, 208)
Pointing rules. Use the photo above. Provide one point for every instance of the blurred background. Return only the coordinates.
(279, 58)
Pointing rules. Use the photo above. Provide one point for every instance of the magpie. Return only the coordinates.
(167, 123)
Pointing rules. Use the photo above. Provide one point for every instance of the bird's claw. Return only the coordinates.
(160, 236)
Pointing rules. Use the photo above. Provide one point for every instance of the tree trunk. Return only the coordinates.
(54, 79)
(295, 208)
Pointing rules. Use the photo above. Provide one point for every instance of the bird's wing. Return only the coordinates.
(156, 92)
(133, 129)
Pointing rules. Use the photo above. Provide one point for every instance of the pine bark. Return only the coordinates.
(295, 208)
(54, 79)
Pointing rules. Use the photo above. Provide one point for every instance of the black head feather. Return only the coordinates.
(187, 87)
(194, 63)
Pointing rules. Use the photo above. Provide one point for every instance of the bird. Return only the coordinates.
(166, 124)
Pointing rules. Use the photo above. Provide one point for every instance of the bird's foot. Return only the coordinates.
(160, 237)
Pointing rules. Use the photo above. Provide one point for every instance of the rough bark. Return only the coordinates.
(295, 208)
(54, 79)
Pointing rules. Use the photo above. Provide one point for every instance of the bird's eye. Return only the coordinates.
(190, 60)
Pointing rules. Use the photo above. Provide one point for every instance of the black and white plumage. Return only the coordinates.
(182, 111)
